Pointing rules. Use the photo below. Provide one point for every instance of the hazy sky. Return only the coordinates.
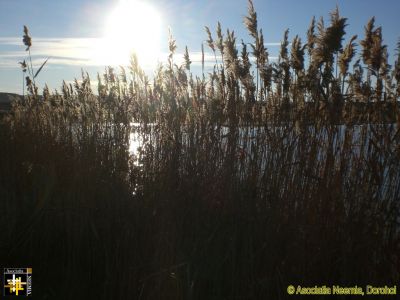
(70, 32)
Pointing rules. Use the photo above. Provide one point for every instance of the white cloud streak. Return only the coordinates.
(78, 52)
(63, 51)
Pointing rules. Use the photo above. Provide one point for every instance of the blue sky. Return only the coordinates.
(68, 31)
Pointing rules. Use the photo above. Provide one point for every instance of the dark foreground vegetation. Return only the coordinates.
(258, 175)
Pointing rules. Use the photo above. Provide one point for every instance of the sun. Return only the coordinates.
(132, 27)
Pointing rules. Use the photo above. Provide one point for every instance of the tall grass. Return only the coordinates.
(258, 175)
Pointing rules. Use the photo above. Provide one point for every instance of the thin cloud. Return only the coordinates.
(11, 41)
(80, 52)
(209, 58)
(272, 44)
(6, 54)
(63, 51)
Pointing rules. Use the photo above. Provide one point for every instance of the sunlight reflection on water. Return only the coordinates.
(361, 136)
(134, 143)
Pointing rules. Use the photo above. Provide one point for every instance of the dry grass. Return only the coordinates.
(249, 179)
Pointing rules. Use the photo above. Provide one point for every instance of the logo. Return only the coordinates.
(17, 282)
(291, 289)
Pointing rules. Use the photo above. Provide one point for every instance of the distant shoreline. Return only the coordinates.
(6, 99)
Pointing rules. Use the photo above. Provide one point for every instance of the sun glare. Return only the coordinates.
(133, 26)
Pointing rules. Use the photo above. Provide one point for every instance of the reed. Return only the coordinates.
(255, 177)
